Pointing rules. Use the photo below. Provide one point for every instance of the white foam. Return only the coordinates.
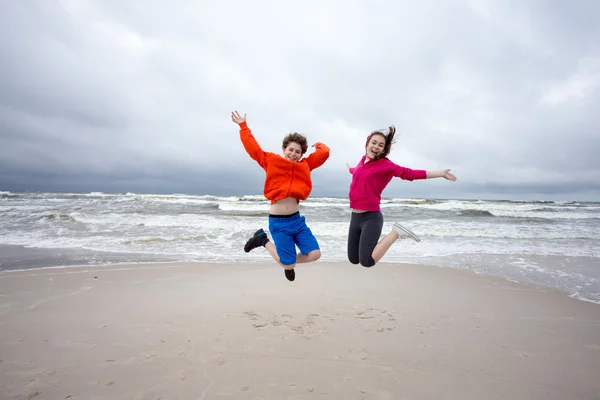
(101, 220)
(245, 207)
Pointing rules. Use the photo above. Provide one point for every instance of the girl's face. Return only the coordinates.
(375, 146)
(292, 152)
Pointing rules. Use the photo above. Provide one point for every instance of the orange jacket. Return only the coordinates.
(285, 178)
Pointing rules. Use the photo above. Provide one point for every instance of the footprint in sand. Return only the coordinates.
(374, 320)
(354, 356)
(77, 344)
(305, 326)
(380, 394)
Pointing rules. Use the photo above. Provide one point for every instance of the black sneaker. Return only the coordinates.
(258, 239)
(290, 274)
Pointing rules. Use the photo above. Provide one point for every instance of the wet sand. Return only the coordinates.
(211, 331)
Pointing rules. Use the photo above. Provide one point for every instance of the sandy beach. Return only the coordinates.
(241, 331)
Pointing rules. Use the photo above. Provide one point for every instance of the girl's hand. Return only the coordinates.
(448, 175)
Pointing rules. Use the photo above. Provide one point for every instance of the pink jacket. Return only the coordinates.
(370, 179)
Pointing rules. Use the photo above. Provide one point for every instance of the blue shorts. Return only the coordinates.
(288, 232)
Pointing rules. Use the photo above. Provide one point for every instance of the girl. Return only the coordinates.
(369, 178)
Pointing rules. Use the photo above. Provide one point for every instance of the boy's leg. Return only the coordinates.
(284, 252)
(260, 238)
(308, 257)
(270, 246)
(282, 249)
(283, 231)
(307, 243)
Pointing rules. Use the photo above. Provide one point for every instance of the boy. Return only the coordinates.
(287, 182)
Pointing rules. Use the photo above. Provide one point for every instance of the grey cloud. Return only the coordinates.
(139, 94)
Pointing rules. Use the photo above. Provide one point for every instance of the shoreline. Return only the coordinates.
(240, 330)
(51, 253)
(143, 265)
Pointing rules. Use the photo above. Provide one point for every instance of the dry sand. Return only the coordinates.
(241, 331)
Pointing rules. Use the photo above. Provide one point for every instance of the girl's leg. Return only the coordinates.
(371, 225)
(384, 245)
(354, 233)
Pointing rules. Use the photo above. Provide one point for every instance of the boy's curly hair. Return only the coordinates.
(298, 138)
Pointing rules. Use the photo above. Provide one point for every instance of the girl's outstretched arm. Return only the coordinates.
(413, 174)
(407, 174)
(445, 173)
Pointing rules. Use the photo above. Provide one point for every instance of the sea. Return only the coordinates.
(549, 243)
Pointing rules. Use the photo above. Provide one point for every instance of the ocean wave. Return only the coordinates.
(412, 201)
(252, 198)
(61, 217)
(476, 213)
(243, 208)
(9, 195)
(546, 209)
(261, 214)
(179, 239)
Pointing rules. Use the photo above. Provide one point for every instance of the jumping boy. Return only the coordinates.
(287, 182)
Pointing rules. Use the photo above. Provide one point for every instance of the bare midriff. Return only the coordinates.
(286, 206)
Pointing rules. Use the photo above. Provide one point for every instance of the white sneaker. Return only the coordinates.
(405, 232)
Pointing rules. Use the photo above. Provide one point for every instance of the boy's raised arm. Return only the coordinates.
(318, 158)
(250, 144)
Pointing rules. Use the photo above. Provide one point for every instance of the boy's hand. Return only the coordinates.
(237, 118)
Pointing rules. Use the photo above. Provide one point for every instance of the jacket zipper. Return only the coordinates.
(358, 182)
(291, 182)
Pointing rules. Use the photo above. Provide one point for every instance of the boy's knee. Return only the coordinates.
(315, 255)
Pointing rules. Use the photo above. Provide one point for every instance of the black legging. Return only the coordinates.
(363, 235)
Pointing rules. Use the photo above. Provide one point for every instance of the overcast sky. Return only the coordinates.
(136, 95)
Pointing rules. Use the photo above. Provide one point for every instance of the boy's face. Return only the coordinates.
(293, 151)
